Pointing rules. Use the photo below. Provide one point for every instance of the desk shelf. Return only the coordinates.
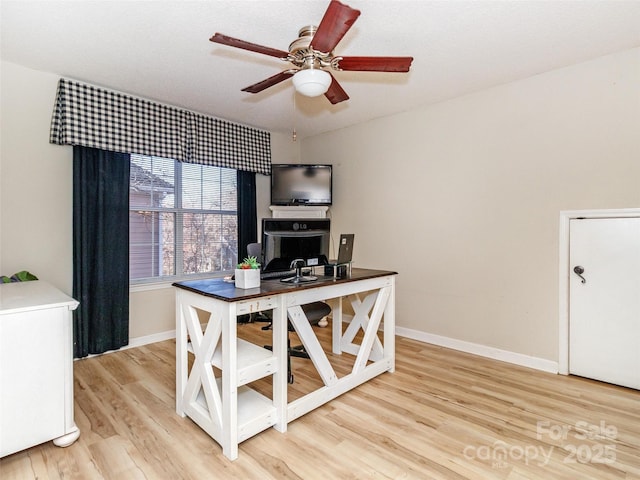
(255, 412)
(254, 362)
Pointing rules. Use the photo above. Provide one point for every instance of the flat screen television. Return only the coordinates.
(301, 184)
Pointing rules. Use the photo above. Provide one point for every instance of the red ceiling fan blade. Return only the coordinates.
(336, 94)
(337, 21)
(375, 64)
(269, 82)
(252, 47)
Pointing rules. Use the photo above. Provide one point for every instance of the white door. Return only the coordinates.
(604, 304)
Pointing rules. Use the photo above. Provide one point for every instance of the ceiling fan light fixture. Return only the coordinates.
(311, 82)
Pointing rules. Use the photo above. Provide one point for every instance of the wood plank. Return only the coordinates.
(443, 415)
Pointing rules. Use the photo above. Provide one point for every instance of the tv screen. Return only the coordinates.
(301, 184)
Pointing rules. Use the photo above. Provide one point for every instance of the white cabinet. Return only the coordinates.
(36, 366)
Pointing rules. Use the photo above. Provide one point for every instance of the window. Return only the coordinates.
(182, 219)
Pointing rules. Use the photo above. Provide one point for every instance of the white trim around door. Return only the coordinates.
(563, 273)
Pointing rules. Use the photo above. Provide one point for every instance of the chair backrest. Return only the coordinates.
(255, 250)
(316, 311)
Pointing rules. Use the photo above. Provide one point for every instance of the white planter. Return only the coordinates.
(249, 278)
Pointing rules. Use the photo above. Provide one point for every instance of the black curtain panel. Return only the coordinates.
(247, 216)
(100, 250)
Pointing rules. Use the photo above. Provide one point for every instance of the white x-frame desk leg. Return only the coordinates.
(225, 407)
(372, 356)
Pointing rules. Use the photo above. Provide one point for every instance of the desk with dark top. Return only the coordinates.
(224, 406)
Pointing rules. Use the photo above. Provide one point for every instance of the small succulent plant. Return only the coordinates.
(249, 263)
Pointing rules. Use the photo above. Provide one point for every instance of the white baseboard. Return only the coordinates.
(480, 350)
(447, 342)
(137, 342)
(148, 339)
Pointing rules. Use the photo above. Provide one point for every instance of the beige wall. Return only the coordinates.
(283, 150)
(463, 198)
(35, 180)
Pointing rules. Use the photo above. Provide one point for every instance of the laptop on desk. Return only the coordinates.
(345, 250)
(339, 267)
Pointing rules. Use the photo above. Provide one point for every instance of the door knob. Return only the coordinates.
(578, 270)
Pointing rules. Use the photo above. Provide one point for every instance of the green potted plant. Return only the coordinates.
(248, 273)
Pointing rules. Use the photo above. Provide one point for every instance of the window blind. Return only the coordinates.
(182, 218)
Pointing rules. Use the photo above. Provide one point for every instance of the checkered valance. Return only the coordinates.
(93, 117)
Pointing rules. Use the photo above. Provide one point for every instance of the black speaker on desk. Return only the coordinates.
(336, 271)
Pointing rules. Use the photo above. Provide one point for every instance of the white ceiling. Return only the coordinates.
(161, 50)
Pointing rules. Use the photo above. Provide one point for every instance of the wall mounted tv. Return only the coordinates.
(301, 184)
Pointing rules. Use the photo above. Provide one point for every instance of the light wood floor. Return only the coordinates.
(441, 415)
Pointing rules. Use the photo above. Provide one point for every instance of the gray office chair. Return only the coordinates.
(255, 250)
(314, 312)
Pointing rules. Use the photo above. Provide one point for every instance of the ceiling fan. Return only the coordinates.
(312, 55)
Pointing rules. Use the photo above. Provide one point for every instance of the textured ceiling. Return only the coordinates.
(160, 50)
